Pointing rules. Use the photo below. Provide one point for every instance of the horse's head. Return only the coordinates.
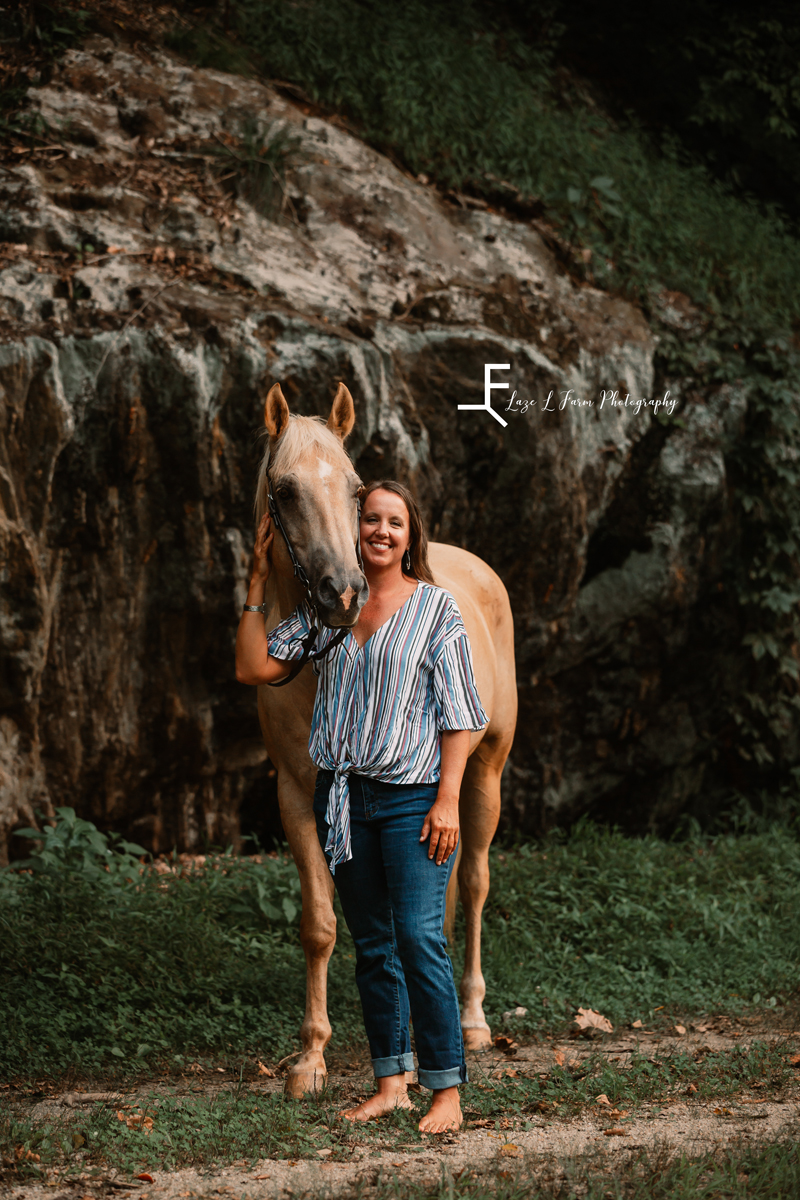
(315, 489)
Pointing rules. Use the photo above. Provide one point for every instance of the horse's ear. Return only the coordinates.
(276, 412)
(343, 413)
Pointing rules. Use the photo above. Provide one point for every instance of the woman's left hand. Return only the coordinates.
(442, 825)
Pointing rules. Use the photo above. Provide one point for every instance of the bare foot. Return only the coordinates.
(389, 1096)
(444, 1113)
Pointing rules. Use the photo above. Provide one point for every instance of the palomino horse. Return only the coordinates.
(315, 488)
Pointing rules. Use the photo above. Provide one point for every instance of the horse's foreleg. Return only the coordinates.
(480, 812)
(317, 935)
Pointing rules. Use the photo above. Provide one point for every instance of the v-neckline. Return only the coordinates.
(383, 624)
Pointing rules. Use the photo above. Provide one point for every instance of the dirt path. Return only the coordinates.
(752, 1115)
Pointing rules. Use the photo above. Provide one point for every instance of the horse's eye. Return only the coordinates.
(285, 491)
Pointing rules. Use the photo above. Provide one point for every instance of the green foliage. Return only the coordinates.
(208, 48)
(723, 74)
(107, 966)
(73, 845)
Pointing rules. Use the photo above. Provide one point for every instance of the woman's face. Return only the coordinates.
(385, 532)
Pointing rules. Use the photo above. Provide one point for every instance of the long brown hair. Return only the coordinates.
(418, 546)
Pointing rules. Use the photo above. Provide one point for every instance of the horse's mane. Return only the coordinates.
(303, 436)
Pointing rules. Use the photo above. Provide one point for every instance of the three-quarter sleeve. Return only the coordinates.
(458, 705)
(285, 641)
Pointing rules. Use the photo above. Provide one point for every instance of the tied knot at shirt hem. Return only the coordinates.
(337, 816)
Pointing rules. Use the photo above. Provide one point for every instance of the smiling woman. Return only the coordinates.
(402, 511)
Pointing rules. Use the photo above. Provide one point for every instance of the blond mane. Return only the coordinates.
(304, 436)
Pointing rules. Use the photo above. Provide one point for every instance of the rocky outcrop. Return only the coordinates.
(178, 240)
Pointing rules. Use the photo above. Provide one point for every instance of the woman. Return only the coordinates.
(390, 735)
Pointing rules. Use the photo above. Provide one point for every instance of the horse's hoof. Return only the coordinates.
(301, 1081)
(477, 1038)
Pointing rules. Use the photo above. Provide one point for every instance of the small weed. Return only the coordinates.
(254, 166)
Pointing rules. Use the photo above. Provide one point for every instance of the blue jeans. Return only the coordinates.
(393, 899)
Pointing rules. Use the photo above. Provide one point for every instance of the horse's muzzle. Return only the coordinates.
(341, 597)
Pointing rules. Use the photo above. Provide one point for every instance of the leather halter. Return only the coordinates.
(309, 655)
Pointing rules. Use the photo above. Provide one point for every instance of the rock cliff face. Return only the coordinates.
(146, 303)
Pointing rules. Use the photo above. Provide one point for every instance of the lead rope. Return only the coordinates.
(310, 639)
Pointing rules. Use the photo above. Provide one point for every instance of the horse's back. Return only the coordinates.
(483, 600)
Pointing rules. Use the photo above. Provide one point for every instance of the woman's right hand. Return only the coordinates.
(264, 535)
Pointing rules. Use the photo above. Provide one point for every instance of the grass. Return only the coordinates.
(760, 1173)
(166, 1131)
(105, 966)
(628, 926)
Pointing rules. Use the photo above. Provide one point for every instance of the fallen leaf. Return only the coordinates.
(794, 1060)
(587, 1018)
(519, 1011)
(260, 1176)
(691, 1089)
(262, 1070)
(602, 1099)
(323, 1153)
(510, 1151)
(680, 1030)
(145, 1177)
(615, 1133)
(483, 1123)
(636, 1025)
(78, 1140)
(506, 1044)
(559, 1057)
(120, 1116)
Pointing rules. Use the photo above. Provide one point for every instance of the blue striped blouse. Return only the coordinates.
(380, 708)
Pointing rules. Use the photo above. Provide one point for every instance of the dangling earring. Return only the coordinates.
(407, 563)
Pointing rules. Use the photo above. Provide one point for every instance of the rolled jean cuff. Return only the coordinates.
(396, 1065)
(436, 1080)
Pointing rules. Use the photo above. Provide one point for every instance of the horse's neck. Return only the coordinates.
(283, 592)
